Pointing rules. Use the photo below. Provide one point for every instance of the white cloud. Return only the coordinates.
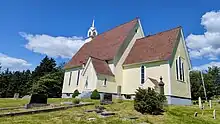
(206, 45)
(205, 66)
(13, 64)
(64, 47)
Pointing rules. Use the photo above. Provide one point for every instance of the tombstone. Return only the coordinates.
(106, 98)
(38, 99)
(210, 104)
(16, 95)
(161, 86)
(200, 103)
(195, 114)
(214, 114)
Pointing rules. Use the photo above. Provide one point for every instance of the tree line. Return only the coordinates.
(46, 78)
(211, 82)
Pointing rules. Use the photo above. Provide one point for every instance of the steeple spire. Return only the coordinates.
(92, 32)
(93, 23)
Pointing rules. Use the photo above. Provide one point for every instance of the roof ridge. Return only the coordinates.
(160, 32)
(136, 18)
(97, 58)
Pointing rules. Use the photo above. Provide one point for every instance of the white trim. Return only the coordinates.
(169, 79)
(186, 50)
(142, 31)
(86, 66)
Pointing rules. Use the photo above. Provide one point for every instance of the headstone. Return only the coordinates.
(195, 114)
(16, 95)
(200, 103)
(38, 99)
(106, 98)
(210, 104)
(214, 114)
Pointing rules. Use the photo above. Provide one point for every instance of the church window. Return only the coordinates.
(77, 83)
(180, 69)
(89, 33)
(105, 82)
(94, 34)
(86, 85)
(70, 78)
(177, 70)
(142, 74)
(183, 71)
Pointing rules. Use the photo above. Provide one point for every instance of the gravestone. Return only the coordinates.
(195, 114)
(16, 95)
(210, 104)
(214, 114)
(37, 100)
(106, 98)
(200, 103)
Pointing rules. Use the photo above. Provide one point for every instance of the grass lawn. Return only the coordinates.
(173, 114)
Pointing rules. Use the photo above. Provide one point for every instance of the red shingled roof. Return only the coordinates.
(153, 48)
(101, 67)
(103, 46)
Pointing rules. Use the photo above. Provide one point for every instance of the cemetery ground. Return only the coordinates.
(124, 111)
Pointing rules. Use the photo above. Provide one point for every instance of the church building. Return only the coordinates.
(124, 59)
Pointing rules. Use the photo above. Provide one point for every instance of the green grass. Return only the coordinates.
(173, 115)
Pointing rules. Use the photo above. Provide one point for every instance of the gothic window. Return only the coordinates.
(177, 70)
(142, 74)
(77, 83)
(183, 71)
(105, 82)
(180, 69)
(94, 33)
(70, 78)
(86, 85)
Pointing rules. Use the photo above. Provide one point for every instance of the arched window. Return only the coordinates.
(177, 70)
(70, 78)
(77, 81)
(105, 82)
(142, 74)
(180, 69)
(94, 33)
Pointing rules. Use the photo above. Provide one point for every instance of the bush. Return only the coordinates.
(76, 101)
(148, 101)
(75, 93)
(95, 95)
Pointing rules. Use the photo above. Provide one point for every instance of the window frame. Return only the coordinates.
(142, 75)
(70, 78)
(105, 82)
(77, 80)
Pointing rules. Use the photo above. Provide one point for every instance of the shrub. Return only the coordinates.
(148, 101)
(95, 95)
(75, 93)
(76, 101)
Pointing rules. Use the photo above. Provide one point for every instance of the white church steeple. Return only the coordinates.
(92, 32)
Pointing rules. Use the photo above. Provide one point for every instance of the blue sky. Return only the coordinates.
(31, 29)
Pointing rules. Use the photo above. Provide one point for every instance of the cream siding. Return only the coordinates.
(180, 88)
(110, 84)
(70, 88)
(132, 76)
